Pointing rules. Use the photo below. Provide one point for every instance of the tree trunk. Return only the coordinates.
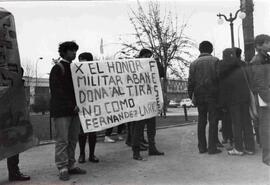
(164, 88)
(248, 29)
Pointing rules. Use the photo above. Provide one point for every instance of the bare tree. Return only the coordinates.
(162, 34)
(29, 71)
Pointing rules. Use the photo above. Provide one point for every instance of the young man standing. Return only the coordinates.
(261, 83)
(203, 85)
(64, 111)
(138, 126)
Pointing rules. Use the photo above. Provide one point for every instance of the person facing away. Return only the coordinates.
(92, 136)
(234, 93)
(260, 84)
(203, 85)
(64, 111)
(138, 126)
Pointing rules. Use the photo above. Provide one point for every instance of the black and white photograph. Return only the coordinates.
(134, 92)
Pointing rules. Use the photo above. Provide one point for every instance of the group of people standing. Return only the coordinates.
(219, 88)
(64, 113)
(221, 91)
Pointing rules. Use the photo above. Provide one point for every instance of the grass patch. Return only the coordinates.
(41, 124)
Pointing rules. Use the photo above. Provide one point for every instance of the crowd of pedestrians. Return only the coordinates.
(218, 87)
(222, 90)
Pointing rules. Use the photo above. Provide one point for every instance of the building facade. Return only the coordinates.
(39, 87)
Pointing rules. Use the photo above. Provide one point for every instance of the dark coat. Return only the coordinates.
(202, 80)
(261, 76)
(261, 85)
(233, 84)
(63, 101)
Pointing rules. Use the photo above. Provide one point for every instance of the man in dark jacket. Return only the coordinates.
(234, 93)
(261, 83)
(203, 85)
(64, 111)
(138, 126)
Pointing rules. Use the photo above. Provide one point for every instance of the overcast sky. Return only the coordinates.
(42, 25)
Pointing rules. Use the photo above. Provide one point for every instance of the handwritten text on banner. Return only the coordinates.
(109, 93)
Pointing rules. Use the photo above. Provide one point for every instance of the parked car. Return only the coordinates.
(174, 104)
(187, 102)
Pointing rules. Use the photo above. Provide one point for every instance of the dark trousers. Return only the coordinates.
(264, 127)
(207, 110)
(129, 133)
(92, 140)
(120, 128)
(138, 129)
(227, 132)
(242, 127)
(12, 164)
(151, 131)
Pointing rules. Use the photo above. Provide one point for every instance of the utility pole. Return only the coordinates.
(248, 29)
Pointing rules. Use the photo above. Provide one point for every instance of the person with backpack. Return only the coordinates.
(234, 90)
(92, 136)
(64, 111)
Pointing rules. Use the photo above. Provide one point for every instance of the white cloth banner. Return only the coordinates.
(111, 92)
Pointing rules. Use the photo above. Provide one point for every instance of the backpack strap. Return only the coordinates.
(61, 67)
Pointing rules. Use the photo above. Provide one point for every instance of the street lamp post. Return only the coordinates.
(242, 15)
(40, 58)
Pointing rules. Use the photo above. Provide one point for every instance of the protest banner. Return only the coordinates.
(16, 132)
(109, 93)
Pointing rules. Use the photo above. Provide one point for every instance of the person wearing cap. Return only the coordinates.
(92, 136)
(64, 112)
(260, 72)
(138, 126)
(203, 86)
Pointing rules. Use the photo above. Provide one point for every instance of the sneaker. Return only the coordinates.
(93, 159)
(216, 151)
(249, 152)
(235, 152)
(219, 145)
(18, 176)
(77, 171)
(202, 151)
(107, 139)
(63, 174)
(120, 138)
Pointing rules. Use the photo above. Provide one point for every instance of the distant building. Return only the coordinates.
(176, 90)
(36, 87)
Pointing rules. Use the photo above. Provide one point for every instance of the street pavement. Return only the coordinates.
(181, 165)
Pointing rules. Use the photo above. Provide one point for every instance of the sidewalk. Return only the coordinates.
(181, 165)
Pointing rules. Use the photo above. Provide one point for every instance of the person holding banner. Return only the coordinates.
(138, 126)
(64, 112)
(92, 136)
